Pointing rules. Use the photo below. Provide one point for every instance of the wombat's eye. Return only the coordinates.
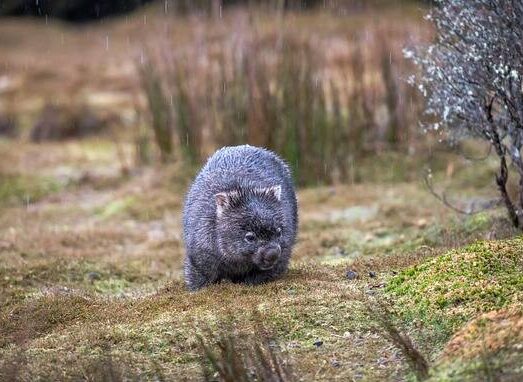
(250, 237)
(278, 232)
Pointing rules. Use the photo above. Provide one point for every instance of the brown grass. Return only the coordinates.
(489, 332)
(320, 100)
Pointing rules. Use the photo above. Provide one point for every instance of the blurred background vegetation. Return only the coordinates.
(83, 10)
(320, 82)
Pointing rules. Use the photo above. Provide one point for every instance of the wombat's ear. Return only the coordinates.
(223, 201)
(274, 191)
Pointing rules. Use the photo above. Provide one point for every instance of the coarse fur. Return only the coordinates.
(240, 218)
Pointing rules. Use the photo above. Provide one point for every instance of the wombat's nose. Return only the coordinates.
(272, 255)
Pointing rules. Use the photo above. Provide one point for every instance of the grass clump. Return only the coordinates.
(17, 189)
(233, 357)
(443, 293)
(279, 88)
(386, 324)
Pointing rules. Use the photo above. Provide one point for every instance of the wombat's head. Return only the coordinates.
(249, 226)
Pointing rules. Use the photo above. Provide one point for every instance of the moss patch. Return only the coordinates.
(441, 294)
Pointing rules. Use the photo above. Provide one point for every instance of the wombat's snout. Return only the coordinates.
(268, 257)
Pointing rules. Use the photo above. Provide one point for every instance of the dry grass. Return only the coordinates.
(234, 356)
(388, 326)
(322, 100)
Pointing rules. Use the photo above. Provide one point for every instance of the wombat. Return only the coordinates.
(240, 218)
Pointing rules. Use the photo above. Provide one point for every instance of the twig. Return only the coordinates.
(493, 203)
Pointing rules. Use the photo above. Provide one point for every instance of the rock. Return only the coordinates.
(421, 223)
(368, 237)
(8, 127)
(351, 275)
(60, 123)
(318, 343)
(92, 276)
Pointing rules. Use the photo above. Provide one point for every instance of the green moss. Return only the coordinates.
(115, 207)
(22, 282)
(476, 222)
(18, 189)
(443, 293)
(111, 286)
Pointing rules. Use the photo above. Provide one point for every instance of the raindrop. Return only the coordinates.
(107, 42)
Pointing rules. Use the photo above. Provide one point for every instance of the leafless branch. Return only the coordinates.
(487, 205)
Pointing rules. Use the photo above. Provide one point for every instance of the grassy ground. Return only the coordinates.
(91, 268)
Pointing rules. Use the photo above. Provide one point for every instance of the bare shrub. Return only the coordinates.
(472, 79)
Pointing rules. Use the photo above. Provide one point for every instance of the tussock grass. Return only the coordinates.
(321, 101)
(236, 357)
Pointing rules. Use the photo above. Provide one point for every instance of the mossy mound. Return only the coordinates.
(438, 296)
(488, 348)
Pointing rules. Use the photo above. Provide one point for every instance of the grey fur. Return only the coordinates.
(236, 192)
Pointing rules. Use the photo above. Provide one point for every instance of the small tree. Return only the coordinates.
(471, 76)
